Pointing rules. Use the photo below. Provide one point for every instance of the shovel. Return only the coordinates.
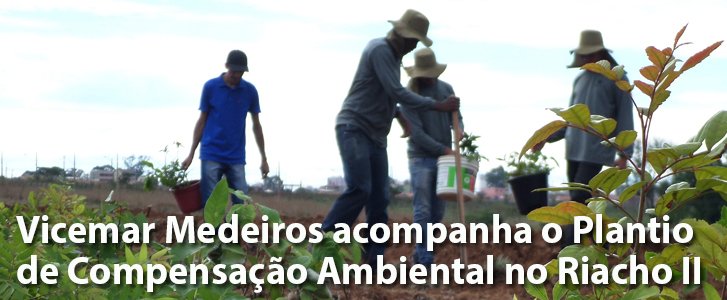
(458, 171)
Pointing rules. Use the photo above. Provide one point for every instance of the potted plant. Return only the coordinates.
(527, 174)
(186, 192)
(447, 174)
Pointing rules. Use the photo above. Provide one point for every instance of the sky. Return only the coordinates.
(91, 81)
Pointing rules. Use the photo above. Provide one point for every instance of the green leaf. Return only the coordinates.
(625, 138)
(687, 149)
(562, 188)
(609, 179)
(579, 251)
(130, 258)
(597, 205)
(711, 183)
(723, 219)
(667, 293)
(559, 291)
(674, 253)
(245, 213)
(561, 214)
(541, 135)
(143, 254)
(710, 293)
(537, 291)
(273, 215)
(604, 126)
(214, 209)
(660, 158)
(693, 163)
(642, 292)
(630, 191)
(579, 115)
(713, 130)
(659, 97)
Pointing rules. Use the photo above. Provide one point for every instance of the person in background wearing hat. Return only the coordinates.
(226, 101)
(364, 122)
(431, 137)
(584, 152)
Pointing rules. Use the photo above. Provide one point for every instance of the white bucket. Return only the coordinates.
(447, 178)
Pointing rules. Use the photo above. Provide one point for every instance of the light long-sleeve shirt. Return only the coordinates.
(375, 91)
(431, 131)
(603, 98)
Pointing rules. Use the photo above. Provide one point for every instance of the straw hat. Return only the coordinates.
(591, 42)
(413, 24)
(425, 65)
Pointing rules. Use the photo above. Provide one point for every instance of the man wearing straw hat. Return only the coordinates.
(584, 152)
(364, 122)
(431, 137)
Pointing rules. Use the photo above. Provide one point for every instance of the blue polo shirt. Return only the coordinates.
(223, 138)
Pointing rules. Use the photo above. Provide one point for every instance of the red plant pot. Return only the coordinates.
(188, 196)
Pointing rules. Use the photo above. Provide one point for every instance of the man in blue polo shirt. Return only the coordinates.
(226, 101)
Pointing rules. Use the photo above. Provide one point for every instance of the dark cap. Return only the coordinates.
(237, 61)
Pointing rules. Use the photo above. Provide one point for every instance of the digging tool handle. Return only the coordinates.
(458, 170)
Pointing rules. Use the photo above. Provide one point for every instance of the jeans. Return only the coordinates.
(212, 172)
(365, 169)
(428, 208)
(581, 172)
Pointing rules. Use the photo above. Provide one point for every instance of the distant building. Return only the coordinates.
(28, 175)
(104, 173)
(335, 183)
(495, 193)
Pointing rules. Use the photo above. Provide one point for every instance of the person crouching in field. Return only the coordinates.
(430, 137)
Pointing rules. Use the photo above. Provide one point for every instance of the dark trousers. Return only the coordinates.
(366, 172)
(581, 172)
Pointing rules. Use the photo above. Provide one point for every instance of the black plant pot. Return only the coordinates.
(522, 190)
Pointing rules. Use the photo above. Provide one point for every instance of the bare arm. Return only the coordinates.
(257, 130)
(196, 137)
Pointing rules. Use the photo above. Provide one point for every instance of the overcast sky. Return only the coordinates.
(98, 79)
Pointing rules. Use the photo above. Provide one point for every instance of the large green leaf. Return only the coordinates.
(542, 134)
(710, 293)
(625, 138)
(604, 126)
(579, 251)
(659, 97)
(245, 213)
(579, 115)
(687, 149)
(562, 213)
(609, 179)
(713, 130)
(537, 291)
(273, 215)
(661, 158)
(214, 209)
(642, 292)
(630, 191)
(693, 163)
